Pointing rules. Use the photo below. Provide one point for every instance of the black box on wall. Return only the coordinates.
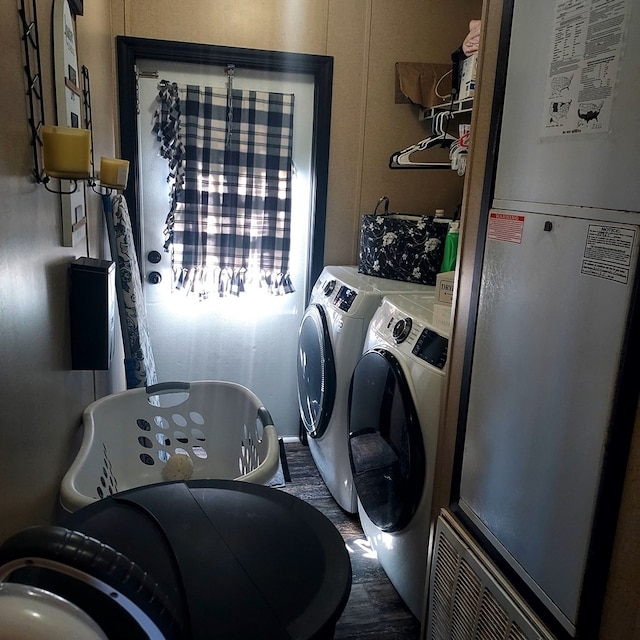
(77, 7)
(92, 310)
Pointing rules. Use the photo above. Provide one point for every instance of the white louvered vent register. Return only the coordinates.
(469, 599)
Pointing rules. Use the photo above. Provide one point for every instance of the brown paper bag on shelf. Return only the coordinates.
(425, 84)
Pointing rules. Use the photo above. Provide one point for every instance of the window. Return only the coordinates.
(230, 161)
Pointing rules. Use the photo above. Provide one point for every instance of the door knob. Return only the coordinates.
(154, 277)
(154, 257)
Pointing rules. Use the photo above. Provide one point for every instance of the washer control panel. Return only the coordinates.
(328, 288)
(333, 292)
(344, 298)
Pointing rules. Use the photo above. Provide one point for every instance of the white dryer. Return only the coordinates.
(330, 342)
(394, 411)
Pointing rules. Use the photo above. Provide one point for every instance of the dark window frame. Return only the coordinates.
(130, 50)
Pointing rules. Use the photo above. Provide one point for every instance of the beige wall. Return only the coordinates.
(41, 399)
(621, 615)
(366, 38)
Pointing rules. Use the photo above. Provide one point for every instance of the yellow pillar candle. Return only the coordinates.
(114, 173)
(66, 152)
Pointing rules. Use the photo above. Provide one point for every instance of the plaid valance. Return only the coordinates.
(230, 162)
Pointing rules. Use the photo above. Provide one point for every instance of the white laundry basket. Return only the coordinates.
(129, 436)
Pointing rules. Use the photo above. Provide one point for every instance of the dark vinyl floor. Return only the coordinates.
(374, 611)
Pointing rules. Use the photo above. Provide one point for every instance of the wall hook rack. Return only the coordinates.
(44, 180)
(64, 152)
(88, 120)
(88, 124)
(33, 72)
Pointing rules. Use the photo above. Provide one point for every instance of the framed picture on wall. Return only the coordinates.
(68, 110)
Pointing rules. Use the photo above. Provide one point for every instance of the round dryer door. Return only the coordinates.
(386, 448)
(316, 371)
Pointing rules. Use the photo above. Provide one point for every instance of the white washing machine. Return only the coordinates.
(394, 411)
(330, 341)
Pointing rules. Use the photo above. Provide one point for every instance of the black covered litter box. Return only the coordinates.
(230, 559)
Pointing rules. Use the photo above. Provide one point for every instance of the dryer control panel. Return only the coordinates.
(413, 334)
(432, 348)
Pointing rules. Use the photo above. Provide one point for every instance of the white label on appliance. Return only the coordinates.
(587, 48)
(607, 252)
(506, 227)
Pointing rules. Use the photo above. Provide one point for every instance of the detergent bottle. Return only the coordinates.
(451, 247)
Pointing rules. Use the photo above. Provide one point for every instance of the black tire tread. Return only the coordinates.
(97, 560)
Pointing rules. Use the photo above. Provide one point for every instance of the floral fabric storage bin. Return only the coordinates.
(401, 246)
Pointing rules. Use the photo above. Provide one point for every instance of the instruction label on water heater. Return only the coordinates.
(608, 251)
(588, 42)
(505, 226)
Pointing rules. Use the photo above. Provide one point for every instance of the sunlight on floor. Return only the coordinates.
(363, 546)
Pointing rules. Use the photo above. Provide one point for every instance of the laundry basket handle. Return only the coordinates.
(167, 387)
(265, 417)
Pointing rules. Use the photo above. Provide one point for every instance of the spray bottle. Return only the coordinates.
(451, 247)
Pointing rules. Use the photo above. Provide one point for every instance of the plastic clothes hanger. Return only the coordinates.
(439, 137)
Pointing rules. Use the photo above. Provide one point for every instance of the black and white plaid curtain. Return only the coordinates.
(230, 159)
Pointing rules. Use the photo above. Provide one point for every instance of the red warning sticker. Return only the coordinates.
(505, 226)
